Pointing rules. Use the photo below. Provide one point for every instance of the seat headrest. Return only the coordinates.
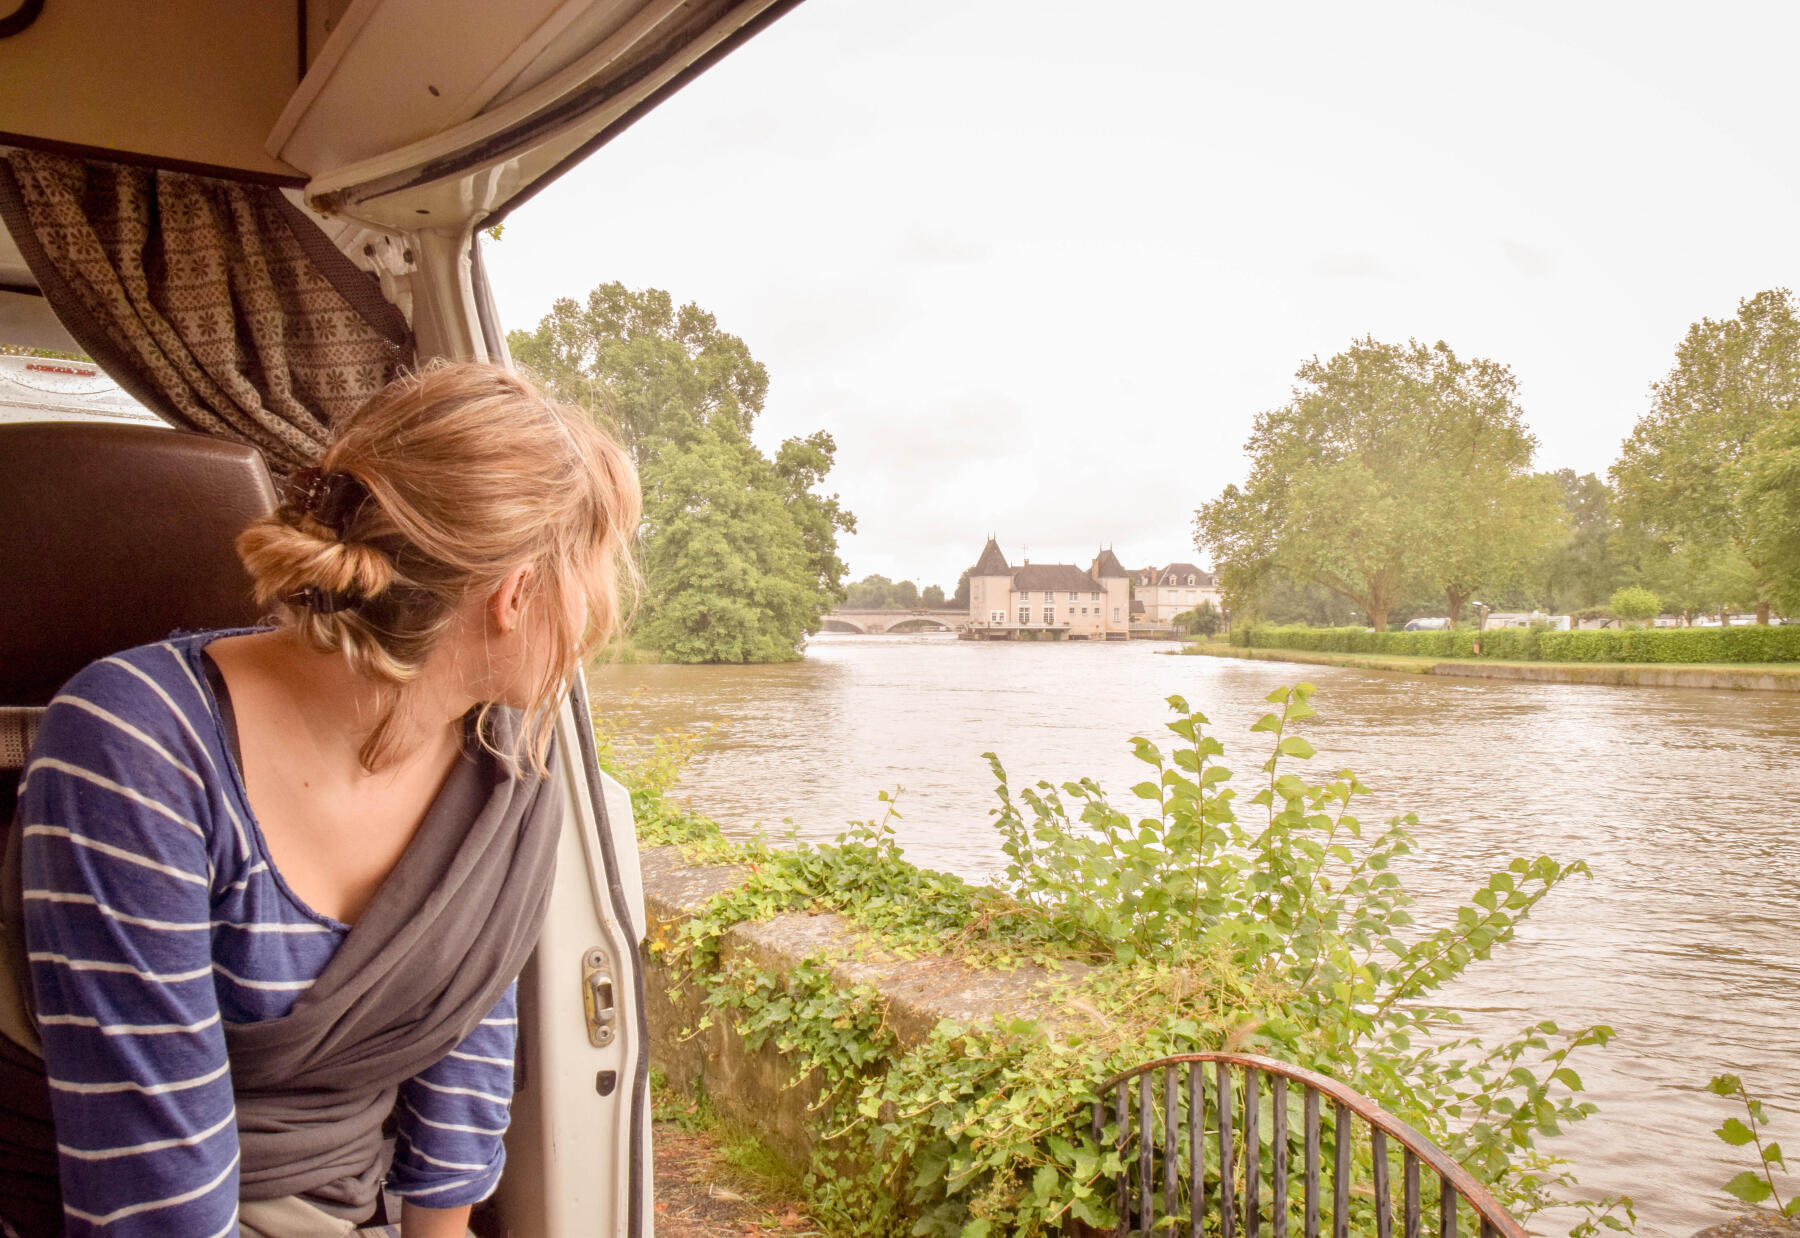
(113, 536)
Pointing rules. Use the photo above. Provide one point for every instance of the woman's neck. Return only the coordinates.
(342, 708)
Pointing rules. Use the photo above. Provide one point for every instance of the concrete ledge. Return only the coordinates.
(1626, 674)
(758, 1089)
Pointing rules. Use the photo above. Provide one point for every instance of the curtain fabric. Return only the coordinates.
(218, 304)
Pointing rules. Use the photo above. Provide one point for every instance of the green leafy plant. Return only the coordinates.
(1753, 1186)
(1213, 910)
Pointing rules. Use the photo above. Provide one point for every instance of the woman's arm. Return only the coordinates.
(117, 923)
(453, 1118)
(417, 1222)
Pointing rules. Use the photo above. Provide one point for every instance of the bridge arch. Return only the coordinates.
(919, 623)
(833, 624)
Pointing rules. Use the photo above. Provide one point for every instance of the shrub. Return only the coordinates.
(1203, 619)
(1635, 604)
(1666, 645)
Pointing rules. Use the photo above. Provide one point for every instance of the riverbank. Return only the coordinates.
(1750, 676)
(1671, 796)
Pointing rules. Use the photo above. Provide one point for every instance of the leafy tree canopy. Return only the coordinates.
(1683, 474)
(1771, 498)
(739, 550)
(875, 592)
(1390, 465)
(1582, 571)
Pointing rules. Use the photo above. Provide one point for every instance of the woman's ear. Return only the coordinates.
(506, 609)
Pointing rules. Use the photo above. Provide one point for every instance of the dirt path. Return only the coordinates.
(701, 1193)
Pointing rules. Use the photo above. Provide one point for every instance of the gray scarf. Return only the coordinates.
(450, 929)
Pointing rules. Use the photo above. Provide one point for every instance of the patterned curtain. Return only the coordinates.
(216, 303)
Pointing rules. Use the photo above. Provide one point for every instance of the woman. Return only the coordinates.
(272, 882)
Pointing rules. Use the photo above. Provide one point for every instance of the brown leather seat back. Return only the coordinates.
(113, 536)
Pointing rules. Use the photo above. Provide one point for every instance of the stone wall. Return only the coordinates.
(757, 1089)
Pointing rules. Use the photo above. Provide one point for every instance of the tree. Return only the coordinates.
(1772, 508)
(726, 563)
(1696, 578)
(1582, 570)
(1204, 619)
(874, 592)
(656, 372)
(1682, 474)
(801, 464)
(1369, 478)
(1505, 522)
(1634, 604)
(870, 593)
(739, 550)
(961, 599)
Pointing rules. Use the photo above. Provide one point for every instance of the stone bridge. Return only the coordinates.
(920, 619)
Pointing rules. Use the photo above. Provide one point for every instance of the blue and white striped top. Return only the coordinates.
(151, 913)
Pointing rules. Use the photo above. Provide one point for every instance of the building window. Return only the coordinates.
(996, 616)
(1115, 614)
(1190, 578)
(1049, 614)
(1093, 597)
(1024, 615)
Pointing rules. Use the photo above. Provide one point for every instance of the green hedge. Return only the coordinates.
(1743, 644)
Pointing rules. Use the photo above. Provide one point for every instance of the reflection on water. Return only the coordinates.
(1683, 801)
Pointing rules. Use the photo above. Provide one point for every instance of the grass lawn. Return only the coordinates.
(1589, 672)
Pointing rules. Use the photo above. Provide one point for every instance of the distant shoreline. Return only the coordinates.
(1745, 677)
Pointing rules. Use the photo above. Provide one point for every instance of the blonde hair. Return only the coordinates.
(469, 472)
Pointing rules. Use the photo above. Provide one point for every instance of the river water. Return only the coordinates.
(1685, 803)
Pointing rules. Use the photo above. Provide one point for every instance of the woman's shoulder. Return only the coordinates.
(151, 691)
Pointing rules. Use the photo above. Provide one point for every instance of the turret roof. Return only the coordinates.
(992, 562)
(1106, 564)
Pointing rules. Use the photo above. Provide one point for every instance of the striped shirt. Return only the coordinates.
(152, 912)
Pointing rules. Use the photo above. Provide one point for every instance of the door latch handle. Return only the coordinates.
(597, 998)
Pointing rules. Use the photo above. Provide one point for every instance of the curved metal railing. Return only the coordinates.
(1170, 1141)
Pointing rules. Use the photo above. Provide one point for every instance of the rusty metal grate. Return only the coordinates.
(1206, 1149)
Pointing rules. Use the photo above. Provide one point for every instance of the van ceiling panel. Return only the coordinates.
(475, 168)
(396, 71)
(411, 114)
(197, 82)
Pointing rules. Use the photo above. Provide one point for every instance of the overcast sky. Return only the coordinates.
(1036, 266)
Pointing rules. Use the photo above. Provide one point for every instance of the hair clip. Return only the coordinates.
(331, 498)
(321, 601)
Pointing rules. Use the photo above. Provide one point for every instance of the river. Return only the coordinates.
(1684, 801)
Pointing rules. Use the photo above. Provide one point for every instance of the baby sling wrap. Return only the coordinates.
(449, 930)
